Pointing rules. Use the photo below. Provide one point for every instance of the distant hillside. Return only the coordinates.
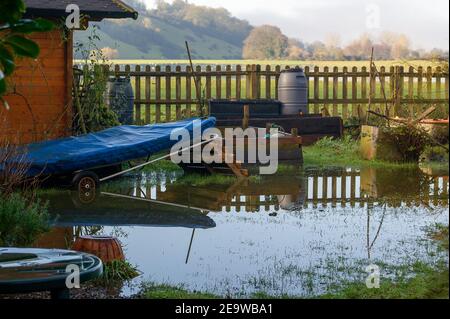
(160, 33)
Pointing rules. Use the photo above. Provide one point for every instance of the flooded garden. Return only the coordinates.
(300, 233)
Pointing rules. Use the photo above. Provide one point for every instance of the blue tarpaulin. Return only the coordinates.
(108, 147)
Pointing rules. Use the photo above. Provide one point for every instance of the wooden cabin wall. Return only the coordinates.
(40, 92)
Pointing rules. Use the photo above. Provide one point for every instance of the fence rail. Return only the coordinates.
(164, 93)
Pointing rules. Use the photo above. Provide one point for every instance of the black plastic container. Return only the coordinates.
(257, 108)
(293, 92)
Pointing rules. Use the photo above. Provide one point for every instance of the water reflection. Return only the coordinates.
(293, 233)
(310, 189)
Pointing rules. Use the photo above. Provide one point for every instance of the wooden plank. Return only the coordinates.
(257, 79)
(382, 77)
(218, 82)
(355, 112)
(238, 81)
(438, 93)
(345, 93)
(268, 82)
(420, 82)
(400, 88)
(411, 91)
(373, 89)
(324, 188)
(316, 88)
(228, 82)
(188, 91)
(208, 82)
(326, 88)
(429, 82)
(364, 106)
(277, 77)
(199, 93)
(178, 92)
(246, 117)
(168, 82)
(158, 94)
(335, 91)
(148, 90)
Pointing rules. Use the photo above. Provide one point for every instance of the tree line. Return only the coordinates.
(268, 42)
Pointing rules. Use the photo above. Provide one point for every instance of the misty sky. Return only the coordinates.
(425, 22)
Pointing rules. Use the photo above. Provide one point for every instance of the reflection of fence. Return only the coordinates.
(166, 94)
(346, 188)
(349, 188)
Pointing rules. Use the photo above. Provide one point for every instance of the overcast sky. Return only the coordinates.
(425, 22)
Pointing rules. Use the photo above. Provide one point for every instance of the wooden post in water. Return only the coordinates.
(246, 117)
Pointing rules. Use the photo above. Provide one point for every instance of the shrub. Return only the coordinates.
(410, 140)
(21, 220)
(434, 154)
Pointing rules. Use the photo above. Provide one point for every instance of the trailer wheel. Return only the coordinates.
(86, 183)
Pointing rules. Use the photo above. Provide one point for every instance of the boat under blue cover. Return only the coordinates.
(112, 146)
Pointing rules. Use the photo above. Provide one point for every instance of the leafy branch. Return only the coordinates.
(13, 41)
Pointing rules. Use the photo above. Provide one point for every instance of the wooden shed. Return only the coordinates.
(40, 90)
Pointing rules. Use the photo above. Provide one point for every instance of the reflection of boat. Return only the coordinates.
(68, 209)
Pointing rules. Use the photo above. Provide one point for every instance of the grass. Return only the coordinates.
(345, 151)
(428, 282)
(338, 152)
(164, 291)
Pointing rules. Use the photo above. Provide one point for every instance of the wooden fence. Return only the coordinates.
(164, 94)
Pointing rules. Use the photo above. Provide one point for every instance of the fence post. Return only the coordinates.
(316, 89)
(138, 96)
(252, 82)
(148, 94)
(397, 95)
(158, 94)
(257, 82)
(326, 90)
(168, 93)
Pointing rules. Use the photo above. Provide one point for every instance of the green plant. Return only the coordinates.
(21, 220)
(435, 154)
(13, 41)
(90, 86)
(410, 140)
(116, 272)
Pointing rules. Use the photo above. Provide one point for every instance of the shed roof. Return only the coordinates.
(93, 9)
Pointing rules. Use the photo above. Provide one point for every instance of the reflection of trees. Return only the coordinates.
(87, 231)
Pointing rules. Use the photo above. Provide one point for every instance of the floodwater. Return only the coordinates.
(297, 233)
